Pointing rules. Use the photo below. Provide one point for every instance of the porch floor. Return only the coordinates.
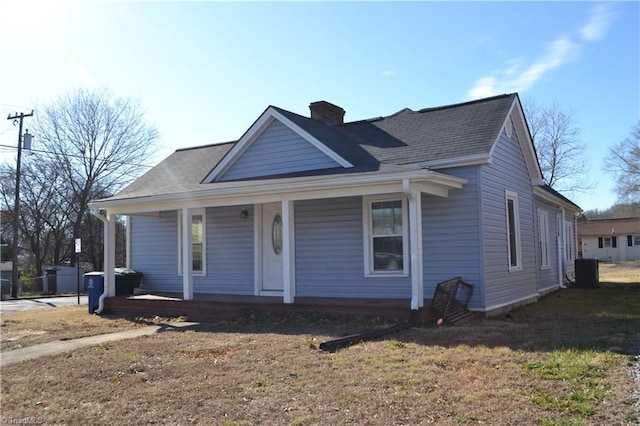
(208, 307)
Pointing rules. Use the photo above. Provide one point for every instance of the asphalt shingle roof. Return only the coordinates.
(406, 137)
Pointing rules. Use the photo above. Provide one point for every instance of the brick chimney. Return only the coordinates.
(327, 112)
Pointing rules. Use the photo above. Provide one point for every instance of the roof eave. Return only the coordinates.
(292, 189)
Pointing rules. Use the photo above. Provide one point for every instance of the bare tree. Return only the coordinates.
(623, 162)
(99, 142)
(89, 145)
(561, 152)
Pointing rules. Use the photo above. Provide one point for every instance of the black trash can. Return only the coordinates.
(126, 281)
(587, 273)
(94, 285)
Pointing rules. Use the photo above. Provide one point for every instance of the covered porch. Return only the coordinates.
(280, 197)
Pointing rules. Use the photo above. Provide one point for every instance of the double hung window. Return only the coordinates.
(386, 236)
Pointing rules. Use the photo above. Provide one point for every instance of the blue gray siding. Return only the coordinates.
(154, 252)
(330, 253)
(278, 150)
(507, 172)
(230, 256)
(451, 237)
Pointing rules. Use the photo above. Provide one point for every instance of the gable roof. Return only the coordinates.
(451, 135)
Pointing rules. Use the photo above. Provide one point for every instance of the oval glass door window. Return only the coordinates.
(276, 234)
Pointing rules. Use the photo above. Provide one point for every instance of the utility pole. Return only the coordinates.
(16, 206)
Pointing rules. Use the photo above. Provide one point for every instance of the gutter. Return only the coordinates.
(96, 213)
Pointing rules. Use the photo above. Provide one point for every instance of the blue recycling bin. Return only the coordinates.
(126, 281)
(94, 284)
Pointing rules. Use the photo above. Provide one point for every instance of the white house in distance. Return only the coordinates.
(611, 240)
(316, 210)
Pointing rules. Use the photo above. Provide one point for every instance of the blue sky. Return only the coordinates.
(204, 71)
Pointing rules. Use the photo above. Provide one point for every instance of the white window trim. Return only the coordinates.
(194, 212)
(513, 196)
(368, 236)
(543, 224)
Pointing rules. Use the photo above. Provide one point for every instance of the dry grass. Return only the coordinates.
(562, 361)
(620, 272)
(22, 329)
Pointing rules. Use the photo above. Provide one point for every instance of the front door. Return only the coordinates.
(272, 278)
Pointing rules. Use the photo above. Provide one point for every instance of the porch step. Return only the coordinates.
(446, 303)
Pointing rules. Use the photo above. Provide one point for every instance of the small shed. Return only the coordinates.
(62, 279)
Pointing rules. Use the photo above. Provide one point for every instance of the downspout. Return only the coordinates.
(563, 245)
(96, 213)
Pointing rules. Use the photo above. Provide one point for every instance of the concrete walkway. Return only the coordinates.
(60, 346)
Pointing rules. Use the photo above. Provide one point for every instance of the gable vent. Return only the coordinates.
(327, 112)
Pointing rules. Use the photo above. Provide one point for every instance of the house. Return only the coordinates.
(314, 208)
(610, 239)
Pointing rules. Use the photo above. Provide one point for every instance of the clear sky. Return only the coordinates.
(204, 71)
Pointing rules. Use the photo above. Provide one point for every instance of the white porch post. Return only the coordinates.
(288, 252)
(415, 244)
(187, 255)
(110, 255)
(128, 242)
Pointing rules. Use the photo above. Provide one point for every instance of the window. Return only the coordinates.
(543, 228)
(198, 247)
(386, 236)
(629, 240)
(607, 242)
(513, 230)
(636, 240)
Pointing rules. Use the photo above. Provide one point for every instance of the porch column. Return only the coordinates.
(187, 256)
(415, 244)
(288, 252)
(110, 255)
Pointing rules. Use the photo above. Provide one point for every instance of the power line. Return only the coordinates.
(82, 157)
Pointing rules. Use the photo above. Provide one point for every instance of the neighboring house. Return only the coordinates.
(385, 208)
(610, 239)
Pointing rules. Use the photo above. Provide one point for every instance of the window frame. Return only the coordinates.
(194, 212)
(368, 236)
(543, 231)
(516, 244)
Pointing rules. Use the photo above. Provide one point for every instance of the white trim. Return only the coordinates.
(267, 117)
(467, 160)
(550, 198)
(128, 241)
(513, 196)
(288, 252)
(543, 239)
(533, 296)
(187, 251)
(415, 247)
(287, 189)
(181, 239)
(257, 249)
(367, 236)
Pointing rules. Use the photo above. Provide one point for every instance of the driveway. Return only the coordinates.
(19, 305)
